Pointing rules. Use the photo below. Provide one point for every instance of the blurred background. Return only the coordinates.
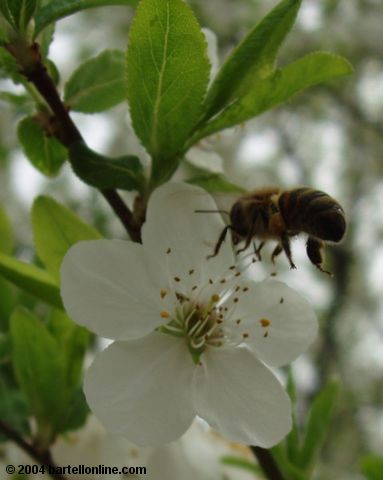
(330, 138)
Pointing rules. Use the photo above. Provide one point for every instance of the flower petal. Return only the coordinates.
(113, 288)
(173, 223)
(280, 323)
(141, 389)
(240, 398)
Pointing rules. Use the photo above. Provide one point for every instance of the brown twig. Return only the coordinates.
(43, 458)
(267, 463)
(29, 59)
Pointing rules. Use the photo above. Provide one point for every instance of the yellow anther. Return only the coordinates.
(164, 314)
(163, 293)
(264, 322)
(215, 298)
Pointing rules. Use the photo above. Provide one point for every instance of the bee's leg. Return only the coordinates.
(220, 241)
(314, 252)
(257, 250)
(285, 243)
(247, 243)
(248, 239)
(277, 250)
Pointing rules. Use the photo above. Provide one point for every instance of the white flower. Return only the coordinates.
(197, 454)
(190, 334)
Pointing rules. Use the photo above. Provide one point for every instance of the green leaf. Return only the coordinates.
(215, 183)
(372, 467)
(33, 280)
(309, 70)
(290, 470)
(7, 303)
(73, 341)
(240, 463)
(18, 101)
(97, 84)
(292, 439)
(167, 76)
(57, 9)
(13, 409)
(9, 67)
(76, 413)
(253, 58)
(318, 424)
(18, 12)
(6, 235)
(44, 152)
(102, 172)
(39, 369)
(55, 230)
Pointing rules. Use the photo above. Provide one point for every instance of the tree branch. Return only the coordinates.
(43, 458)
(29, 59)
(267, 463)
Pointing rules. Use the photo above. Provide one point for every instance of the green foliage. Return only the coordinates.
(57, 9)
(253, 59)
(7, 303)
(6, 235)
(292, 439)
(55, 229)
(240, 463)
(75, 415)
(277, 88)
(18, 12)
(167, 73)
(318, 424)
(98, 84)
(125, 172)
(372, 467)
(13, 409)
(73, 341)
(30, 278)
(48, 371)
(39, 369)
(44, 152)
(215, 183)
(296, 455)
(9, 67)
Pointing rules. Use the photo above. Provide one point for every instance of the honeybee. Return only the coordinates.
(276, 214)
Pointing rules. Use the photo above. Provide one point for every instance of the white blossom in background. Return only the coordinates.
(204, 157)
(197, 454)
(191, 337)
